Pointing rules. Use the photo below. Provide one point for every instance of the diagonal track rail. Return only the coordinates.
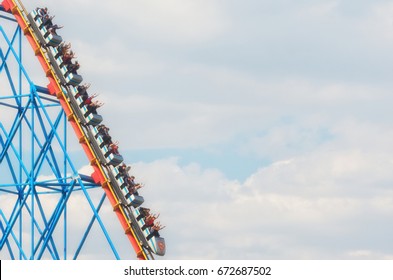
(99, 176)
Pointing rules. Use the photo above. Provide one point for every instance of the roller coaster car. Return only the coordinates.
(100, 141)
(53, 40)
(93, 119)
(61, 69)
(74, 91)
(115, 172)
(73, 79)
(89, 117)
(110, 158)
(56, 63)
(156, 244)
(118, 178)
(44, 36)
(132, 199)
(56, 55)
(70, 78)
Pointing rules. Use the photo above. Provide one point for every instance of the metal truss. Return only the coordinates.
(38, 179)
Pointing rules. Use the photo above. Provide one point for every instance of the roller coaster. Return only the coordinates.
(110, 170)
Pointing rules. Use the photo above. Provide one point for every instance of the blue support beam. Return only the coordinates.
(34, 152)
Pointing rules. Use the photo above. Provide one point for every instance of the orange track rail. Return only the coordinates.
(54, 88)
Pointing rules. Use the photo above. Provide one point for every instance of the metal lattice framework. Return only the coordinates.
(37, 176)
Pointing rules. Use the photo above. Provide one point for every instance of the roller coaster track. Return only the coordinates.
(99, 175)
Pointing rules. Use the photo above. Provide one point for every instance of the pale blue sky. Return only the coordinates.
(261, 128)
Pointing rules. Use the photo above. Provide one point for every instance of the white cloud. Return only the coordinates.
(290, 209)
(319, 10)
(379, 24)
(298, 86)
(369, 255)
(179, 21)
(294, 200)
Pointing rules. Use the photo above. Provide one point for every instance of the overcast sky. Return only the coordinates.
(262, 128)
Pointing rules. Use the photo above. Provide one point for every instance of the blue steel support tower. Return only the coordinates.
(37, 176)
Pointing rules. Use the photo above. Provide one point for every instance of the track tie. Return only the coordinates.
(116, 207)
(94, 161)
(140, 254)
(70, 117)
(128, 230)
(82, 139)
(105, 185)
